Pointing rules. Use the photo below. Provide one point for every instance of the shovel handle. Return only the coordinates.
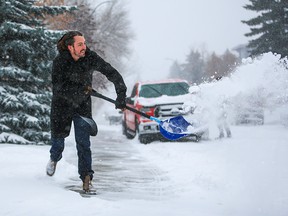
(96, 94)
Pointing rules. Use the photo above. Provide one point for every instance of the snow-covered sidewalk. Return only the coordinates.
(245, 175)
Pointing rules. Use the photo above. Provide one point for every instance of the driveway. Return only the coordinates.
(121, 172)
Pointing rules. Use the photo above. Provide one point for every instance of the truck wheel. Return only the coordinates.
(145, 139)
(125, 131)
(123, 128)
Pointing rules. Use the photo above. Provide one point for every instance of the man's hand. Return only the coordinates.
(120, 102)
(88, 89)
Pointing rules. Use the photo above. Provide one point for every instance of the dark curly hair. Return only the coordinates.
(67, 39)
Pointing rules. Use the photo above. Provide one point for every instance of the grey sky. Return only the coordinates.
(167, 30)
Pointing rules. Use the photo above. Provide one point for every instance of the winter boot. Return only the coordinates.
(221, 135)
(229, 134)
(51, 167)
(87, 183)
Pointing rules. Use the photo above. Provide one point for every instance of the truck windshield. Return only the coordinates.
(159, 89)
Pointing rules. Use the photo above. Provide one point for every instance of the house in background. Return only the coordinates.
(242, 50)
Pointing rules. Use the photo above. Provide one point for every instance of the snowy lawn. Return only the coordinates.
(245, 175)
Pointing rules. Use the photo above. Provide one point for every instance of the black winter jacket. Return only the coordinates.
(69, 80)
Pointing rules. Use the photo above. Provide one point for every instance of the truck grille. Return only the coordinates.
(168, 110)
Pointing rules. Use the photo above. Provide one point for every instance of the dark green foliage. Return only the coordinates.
(26, 53)
(269, 28)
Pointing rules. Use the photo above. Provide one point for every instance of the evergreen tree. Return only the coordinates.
(175, 70)
(193, 68)
(271, 26)
(26, 54)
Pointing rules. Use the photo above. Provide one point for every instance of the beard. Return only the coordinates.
(80, 54)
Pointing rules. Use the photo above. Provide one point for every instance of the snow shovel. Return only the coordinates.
(172, 129)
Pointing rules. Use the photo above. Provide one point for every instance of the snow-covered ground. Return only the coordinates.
(246, 175)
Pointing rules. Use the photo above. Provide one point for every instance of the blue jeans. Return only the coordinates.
(82, 137)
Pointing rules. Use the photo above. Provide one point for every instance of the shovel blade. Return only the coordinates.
(175, 128)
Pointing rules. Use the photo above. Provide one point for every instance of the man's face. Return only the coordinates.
(78, 49)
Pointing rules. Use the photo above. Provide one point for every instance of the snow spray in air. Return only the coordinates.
(260, 82)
